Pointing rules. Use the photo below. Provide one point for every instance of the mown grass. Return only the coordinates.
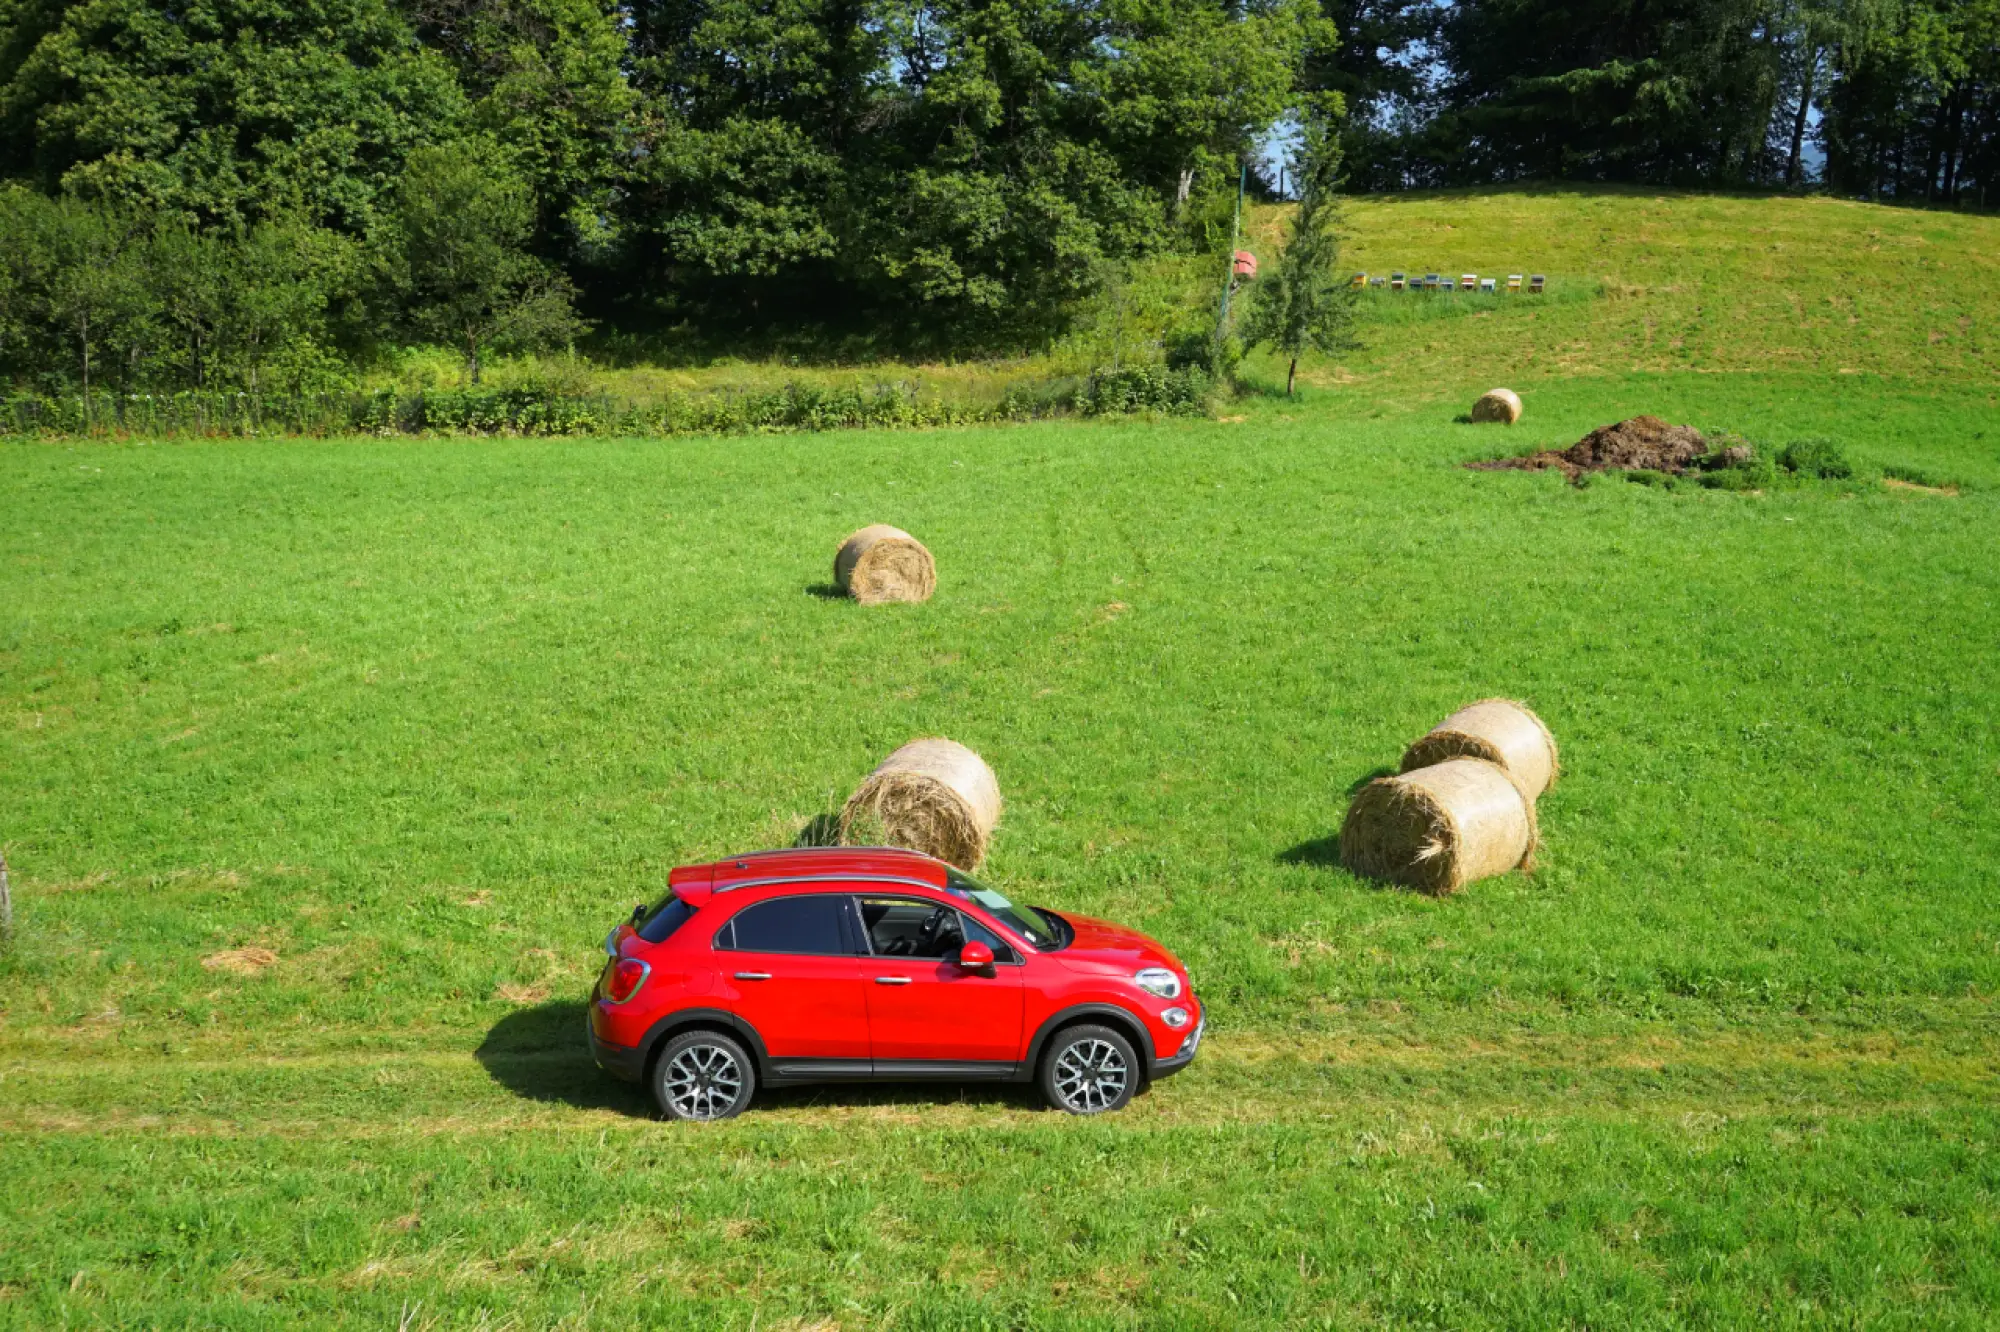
(422, 717)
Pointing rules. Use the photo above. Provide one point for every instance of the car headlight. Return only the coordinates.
(1160, 981)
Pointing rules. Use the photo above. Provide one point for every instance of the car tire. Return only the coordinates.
(703, 1076)
(1089, 1070)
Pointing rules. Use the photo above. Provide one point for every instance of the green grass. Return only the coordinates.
(423, 717)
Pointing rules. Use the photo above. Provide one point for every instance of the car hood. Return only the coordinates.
(1101, 946)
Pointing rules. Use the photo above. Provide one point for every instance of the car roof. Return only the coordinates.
(842, 862)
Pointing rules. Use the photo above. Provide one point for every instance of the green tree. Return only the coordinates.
(225, 110)
(75, 270)
(456, 256)
(1307, 302)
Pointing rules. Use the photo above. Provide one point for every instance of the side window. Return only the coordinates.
(900, 927)
(789, 925)
(1002, 950)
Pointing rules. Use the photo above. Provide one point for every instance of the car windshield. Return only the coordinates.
(1032, 925)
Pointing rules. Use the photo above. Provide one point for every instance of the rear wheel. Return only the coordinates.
(703, 1075)
(1089, 1070)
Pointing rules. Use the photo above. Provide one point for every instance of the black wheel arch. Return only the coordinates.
(704, 1019)
(1120, 1019)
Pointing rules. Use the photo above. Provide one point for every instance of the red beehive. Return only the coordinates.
(1245, 264)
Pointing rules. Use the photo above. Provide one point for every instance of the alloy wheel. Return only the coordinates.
(703, 1082)
(1091, 1075)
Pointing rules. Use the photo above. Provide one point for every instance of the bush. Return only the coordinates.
(1748, 471)
(1820, 458)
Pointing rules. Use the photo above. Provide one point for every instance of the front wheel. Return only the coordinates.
(1089, 1070)
(703, 1075)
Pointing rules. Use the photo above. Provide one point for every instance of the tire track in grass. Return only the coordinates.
(1251, 1077)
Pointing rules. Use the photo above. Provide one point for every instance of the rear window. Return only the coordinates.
(668, 916)
(789, 925)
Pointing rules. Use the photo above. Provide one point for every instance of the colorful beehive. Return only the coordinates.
(1487, 284)
(1378, 282)
(1397, 281)
(1513, 282)
(1468, 282)
(1535, 283)
(1430, 282)
(1358, 280)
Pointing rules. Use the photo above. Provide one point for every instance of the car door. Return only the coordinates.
(927, 1016)
(790, 969)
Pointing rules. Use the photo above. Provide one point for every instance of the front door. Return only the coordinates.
(790, 972)
(926, 1015)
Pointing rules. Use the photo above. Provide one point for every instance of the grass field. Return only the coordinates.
(422, 718)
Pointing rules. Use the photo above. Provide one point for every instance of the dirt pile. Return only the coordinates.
(1643, 442)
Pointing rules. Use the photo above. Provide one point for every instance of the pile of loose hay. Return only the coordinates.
(1439, 828)
(1644, 442)
(1500, 731)
(933, 796)
(241, 961)
(1501, 405)
(882, 563)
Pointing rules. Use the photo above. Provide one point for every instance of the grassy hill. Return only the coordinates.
(421, 718)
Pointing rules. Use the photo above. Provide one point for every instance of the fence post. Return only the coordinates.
(6, 906)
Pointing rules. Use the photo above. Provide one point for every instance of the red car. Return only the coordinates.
(787, 967)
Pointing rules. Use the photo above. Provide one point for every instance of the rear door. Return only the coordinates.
(926, 1015)
(790, 969)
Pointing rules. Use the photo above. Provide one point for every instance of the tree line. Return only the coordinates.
(229, 194)
(1881, 99)
(225, 191)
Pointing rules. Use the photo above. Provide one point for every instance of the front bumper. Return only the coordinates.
(1165, 1068)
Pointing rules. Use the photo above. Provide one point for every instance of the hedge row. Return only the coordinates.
(388, 412)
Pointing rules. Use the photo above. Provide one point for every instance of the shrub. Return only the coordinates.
(1821, 458)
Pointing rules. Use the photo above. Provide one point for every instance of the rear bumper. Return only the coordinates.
(620, 1061)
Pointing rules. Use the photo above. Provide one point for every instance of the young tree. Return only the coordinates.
(1306, 302)
(76, 281)
(457, 258)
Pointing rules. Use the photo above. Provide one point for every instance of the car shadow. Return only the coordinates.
(543, 1054)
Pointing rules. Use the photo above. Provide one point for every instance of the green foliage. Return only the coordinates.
(1307, 304)
(1822, 458)
(228, 111)
(1754, 472)
(456, 257)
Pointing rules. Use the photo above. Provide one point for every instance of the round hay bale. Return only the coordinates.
(1439, 828)
(933, 796)
(883, 563)
(1500, 731)
(1502, 405)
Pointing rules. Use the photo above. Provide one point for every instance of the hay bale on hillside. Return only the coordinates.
(1500, 731)
(1501, 405)
(933, 796)
(1439, 828)
(883, 563)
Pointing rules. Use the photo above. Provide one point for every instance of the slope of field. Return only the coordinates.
(1643, 281)
(419, 719)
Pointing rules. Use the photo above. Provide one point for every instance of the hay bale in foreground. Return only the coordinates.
(1501, 405)
(1500, 731)
(883, 563)
(1439, 828)
(933, 796)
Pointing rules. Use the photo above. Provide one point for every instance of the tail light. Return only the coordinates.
(623, 978)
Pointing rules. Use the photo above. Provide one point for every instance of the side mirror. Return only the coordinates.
(976, 956)
(638, 911)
